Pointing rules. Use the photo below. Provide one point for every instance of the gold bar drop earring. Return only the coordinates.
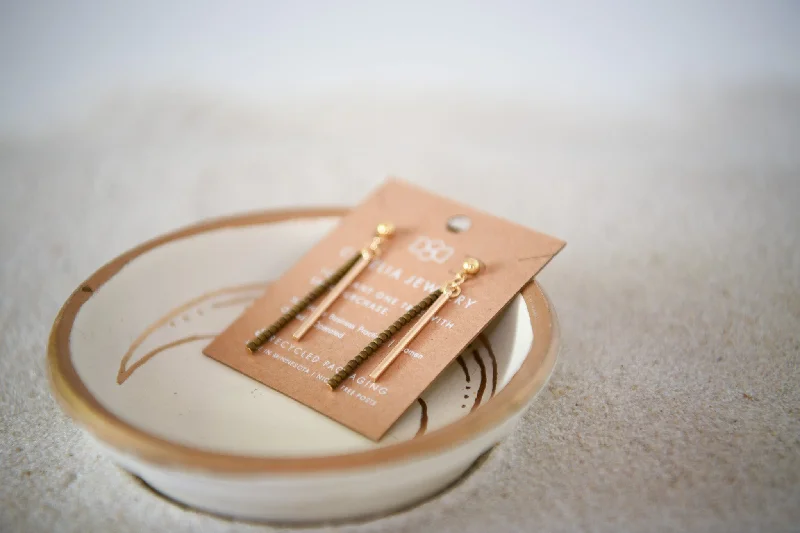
(339, 280)
(433, 303)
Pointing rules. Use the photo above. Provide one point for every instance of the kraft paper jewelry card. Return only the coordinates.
(366, 320)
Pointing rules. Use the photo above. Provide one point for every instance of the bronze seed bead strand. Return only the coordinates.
(385, 335)
(262, 336)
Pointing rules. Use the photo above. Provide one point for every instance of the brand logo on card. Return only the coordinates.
(426, 249)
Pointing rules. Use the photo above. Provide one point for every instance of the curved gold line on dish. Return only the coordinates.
(423, 418)
(485, 340)
(171, 316)
(482, 384)
(234, 301)
(122, 376)
(80, 404)
(463, 366)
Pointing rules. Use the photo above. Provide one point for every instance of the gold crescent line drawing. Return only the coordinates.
(463, 366)
(423, 418)
(485, 341)
(123, 374)
(482, 385)
(233, 302)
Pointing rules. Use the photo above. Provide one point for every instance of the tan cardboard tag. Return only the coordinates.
(421, 256)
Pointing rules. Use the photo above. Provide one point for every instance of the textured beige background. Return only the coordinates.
(675, 404)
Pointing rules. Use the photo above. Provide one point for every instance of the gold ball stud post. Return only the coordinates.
(385, 229)
(471, 266)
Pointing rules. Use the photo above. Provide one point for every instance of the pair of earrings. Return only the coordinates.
(340, 280)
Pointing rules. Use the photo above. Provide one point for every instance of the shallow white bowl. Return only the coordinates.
(125, 362)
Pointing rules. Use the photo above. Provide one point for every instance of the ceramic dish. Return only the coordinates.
(125, 362)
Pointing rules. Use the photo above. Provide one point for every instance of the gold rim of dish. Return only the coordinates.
(78, 402)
